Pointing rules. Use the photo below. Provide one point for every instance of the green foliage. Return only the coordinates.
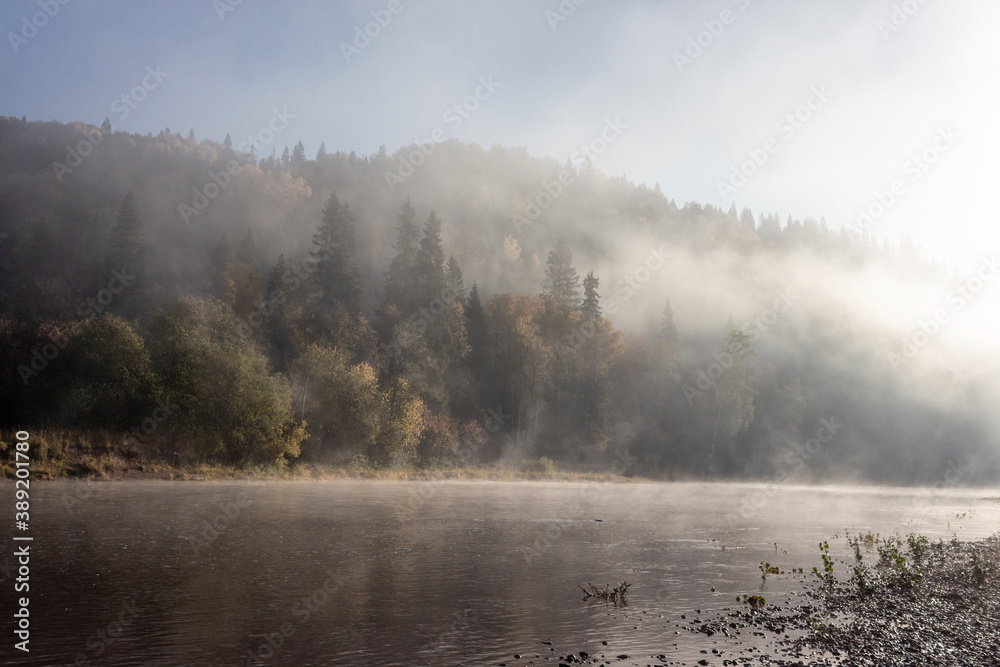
(561, 281)
(917, 543)
(400, 423)
(755, 602)
(231, 407)
(827, 576)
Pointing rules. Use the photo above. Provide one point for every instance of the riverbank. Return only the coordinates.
(925, 604)
(63, 455)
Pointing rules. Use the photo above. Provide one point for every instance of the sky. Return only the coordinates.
(874, 115)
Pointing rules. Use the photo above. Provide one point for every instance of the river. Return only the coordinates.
(426, 573)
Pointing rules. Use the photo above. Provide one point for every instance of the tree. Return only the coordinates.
(336, 276)
(454, 280)
(298, 159)
(734, 390)
(227, 143)
(228, 404)
(125, 242)
(430, 272)
(591, 305)
(126, 256)
(285, 158)
(106, 126)
(400, 279)
(561, 281)
(668, 332)
(321, 153)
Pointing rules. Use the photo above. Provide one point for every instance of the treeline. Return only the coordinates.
(308, 312)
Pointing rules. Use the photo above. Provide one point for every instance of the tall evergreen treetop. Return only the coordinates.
(591, 299)
(561, 281)
(668, 332)
(400, 279)
(336, 275)
(125, 242)
(430, 261)
(455, 280)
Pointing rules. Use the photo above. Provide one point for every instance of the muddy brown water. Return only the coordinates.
(425, 573)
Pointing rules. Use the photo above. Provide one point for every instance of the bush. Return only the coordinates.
(229, 404)
(438, 441)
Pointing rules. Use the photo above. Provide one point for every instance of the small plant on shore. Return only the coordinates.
(617, 595)
(898, 571)
(918, 544)
(827, 575)
(866, 584)
(766, 569)
(822, 628)
(855, 543)
(755, 602)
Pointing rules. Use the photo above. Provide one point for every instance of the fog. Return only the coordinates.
(815, 178)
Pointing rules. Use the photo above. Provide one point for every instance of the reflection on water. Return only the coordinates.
(445, 573)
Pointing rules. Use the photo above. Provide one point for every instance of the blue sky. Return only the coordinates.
(890, 90)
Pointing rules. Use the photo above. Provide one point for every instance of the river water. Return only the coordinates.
(425, 573)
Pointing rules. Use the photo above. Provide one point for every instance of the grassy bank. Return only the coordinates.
(69, 455)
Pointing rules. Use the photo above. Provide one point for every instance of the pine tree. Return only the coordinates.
(746, 217)
(400, 278)
(455, 280)
(561, 281)
(298, 156)
(227, 143)
(668, 332)
(336, 276)
(248, 252)
(125, 243)
(106, 126)
(430, 262)
(591, 299)
(285, 158)
(732, 211)
(321, 153)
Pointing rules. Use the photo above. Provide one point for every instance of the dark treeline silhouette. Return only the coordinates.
(470, 306)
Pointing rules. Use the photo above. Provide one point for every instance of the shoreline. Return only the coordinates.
(930, 604)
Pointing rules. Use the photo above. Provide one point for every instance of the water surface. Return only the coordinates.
(432, 573)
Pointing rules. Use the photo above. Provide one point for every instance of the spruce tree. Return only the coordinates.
(561, 281)
(298, 156)
(591, 299)
(336, 276)
(430, 262)
(455, 280)
(321, 153)
(126, 254)
(668, 332)
(400, 278)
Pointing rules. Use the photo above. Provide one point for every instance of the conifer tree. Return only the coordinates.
(455, 280)
(336, 275)
(400, 279)
(561, 281)
(430, 262)
(591, 299)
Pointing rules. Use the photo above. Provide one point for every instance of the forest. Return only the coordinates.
(195, 301)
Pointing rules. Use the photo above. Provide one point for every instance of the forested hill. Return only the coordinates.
(323, 309)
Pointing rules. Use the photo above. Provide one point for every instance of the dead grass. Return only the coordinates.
(63, 454)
